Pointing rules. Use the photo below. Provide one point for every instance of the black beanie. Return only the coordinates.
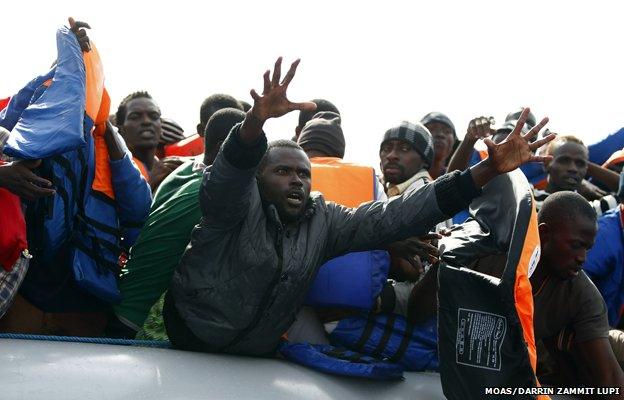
(513, 117)
(323, 133)
(439, 117)
(415, 134)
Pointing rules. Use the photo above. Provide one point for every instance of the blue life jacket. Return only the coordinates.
(353, 280)
(605, 263)
(75, 235)
(391, 337)
(338, 361)
(600, 152)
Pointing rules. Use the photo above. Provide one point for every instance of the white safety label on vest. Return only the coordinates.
(480, 336)
(535, 257)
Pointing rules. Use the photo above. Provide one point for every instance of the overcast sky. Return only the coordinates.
(379, 62)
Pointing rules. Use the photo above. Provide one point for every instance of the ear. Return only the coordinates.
(547, 166)
(200, 131)
(544, 232)
(297, 132)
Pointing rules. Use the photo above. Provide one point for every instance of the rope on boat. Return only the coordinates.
(163, 344)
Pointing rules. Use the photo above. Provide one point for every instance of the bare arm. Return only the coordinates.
(116, 149)
(461, 157)
(602, 369)
(604, 175)
(478, 128)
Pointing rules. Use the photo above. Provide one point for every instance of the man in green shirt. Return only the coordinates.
(166, 233)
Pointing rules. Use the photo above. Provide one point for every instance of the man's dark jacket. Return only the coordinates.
(245, 274)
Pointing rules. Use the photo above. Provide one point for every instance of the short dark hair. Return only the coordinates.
(565, 205)
(214, 103)
(321, 105)
(277, 144)
(220, 125)
(120, 115)
(560, 140)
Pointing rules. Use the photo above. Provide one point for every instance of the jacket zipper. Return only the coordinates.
(264, 303)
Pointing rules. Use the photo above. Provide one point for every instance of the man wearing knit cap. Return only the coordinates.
(305, 116)
(322, 136)
(406, 153)
(345, 183)
(444, 139)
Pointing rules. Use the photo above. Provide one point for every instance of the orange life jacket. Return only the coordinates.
(342, 182)
(190, 146)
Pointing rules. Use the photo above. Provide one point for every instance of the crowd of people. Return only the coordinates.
(212, 240)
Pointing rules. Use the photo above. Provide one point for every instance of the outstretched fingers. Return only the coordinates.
(303, 106)
(267, 82)
(291, 73)
(521, 121)
(536, 129)
(541, 159)
(277, 72)
(539, 143)
(254, 95)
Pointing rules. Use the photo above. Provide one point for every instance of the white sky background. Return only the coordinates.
(379, 62)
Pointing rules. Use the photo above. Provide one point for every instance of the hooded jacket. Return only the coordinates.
(245, 274)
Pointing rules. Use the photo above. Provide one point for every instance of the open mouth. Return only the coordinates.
(148, 134)
(572, 179)
(295, 199)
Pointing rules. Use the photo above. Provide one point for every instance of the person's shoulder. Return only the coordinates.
(610, 218)
(178, 181)
(583, 289)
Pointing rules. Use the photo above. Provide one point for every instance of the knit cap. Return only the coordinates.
(415, 134)
(323, 133)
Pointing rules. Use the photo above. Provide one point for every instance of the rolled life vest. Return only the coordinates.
(485, 324)
(390, 337)
(60, 117)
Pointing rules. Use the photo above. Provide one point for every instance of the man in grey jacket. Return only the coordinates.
(263, 235)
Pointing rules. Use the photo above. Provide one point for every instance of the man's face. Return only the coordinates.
(443, 139)
(565, 245)
(142, 127)
(567, 168)
(285, 182)
(399, 161)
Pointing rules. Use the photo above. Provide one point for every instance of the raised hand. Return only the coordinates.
(517, 149)
(480, 128)
(273, 103)
(77, 28)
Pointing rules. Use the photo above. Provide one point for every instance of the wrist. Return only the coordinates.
(470, 141)
(483, 172)
(251, 128)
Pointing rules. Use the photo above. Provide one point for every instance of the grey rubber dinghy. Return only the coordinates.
(51, 370)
